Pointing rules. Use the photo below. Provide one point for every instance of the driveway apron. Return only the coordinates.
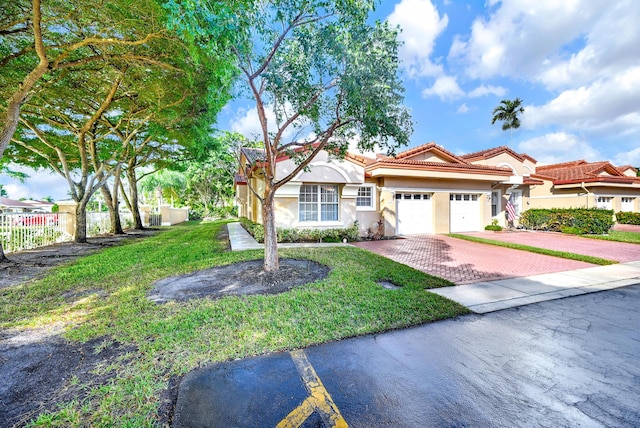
(618, 251)
(464, 262)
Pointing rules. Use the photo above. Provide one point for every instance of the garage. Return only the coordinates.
(414, 213)
(464, 212)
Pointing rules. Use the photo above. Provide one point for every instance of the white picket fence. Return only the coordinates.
(99, 223)
(24, 231)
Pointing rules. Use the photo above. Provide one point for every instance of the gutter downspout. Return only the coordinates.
(587, 191)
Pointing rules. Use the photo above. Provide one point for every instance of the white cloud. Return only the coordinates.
(632, 157)
(38, 185)
(445, 87)
(247, 123)
(554, 42)
(559, 147)
(608, 106)
(483, 90)
(463, 109)
(421, 25)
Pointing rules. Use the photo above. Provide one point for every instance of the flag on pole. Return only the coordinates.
(511, 209)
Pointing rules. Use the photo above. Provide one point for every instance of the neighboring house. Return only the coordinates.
(582, 184)
(12, 206)
(428, 189)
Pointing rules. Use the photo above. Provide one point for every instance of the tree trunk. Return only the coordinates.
(271, 262)
(133, 199)
(114, 215)
(3, 258)
(81, 221)
(14, 104)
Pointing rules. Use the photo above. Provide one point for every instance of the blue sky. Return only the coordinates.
(574, 63)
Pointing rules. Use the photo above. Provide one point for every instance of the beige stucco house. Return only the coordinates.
(428, 189)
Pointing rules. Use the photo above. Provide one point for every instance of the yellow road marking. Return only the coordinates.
(319, 399)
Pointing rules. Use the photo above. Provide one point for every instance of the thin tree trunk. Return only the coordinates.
(81, 221)
(112, 203)
(3, 258)
(271, 261)
(133, 199)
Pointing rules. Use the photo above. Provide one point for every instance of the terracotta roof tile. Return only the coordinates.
(429, 147)
(437, 165)
(581, 170)
(489, 153)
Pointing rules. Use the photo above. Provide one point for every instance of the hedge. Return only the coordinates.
(628, 218)
(303, 235)
(584, 220)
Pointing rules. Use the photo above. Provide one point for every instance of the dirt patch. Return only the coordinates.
(41, 370)
(242, 278)
(31, 264)
(37, 375)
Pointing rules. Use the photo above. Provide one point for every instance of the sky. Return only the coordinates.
(574, 63)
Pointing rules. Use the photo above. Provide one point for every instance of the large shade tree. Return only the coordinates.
(330, 77)
(507, 112)
(80, 61)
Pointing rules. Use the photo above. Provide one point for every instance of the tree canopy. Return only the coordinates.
(327, 75)
(507, 113)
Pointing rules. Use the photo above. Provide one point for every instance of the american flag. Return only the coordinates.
(511, 209)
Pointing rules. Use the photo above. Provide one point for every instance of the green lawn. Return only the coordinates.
(630, 237)
(545, 251)
(175, 338)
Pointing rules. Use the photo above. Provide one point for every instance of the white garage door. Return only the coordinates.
(414, 213)
(465, 212)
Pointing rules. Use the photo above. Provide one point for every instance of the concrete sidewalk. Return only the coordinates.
(483, 297)
(490, 296)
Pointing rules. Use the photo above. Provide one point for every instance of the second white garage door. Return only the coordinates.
(465, 212)
(414, 213)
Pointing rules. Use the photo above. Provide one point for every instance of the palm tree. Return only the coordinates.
(507, 112)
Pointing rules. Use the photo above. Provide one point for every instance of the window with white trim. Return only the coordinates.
(627, 204)
(604, 202)
(495, 200)
(365, 199)
(318, 202)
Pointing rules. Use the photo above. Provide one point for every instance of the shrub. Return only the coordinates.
(588, 220)
(494, 227)
(628, 218)
(303, 235)
(572, 230)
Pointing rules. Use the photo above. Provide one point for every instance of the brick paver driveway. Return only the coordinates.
(464, 262)
(610, 250)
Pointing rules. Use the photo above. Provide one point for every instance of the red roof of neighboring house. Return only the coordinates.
(429, 147)
(16, 204)
(582, 171)
(489, 153)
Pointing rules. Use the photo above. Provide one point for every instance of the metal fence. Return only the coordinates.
(99, 223)
(24, 231)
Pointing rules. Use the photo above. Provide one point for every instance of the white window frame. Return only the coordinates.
(604, 202)
(628, 203)
(318, 203)
(372, 190)
(517, 201)
(495, 202)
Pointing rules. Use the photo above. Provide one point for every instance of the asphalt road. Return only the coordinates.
(569, 362)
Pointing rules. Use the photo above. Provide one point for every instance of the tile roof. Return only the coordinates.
(14, 203)
(489, 153)
(427, 148)
(583, 171)
(417, 164)
(253, 155)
